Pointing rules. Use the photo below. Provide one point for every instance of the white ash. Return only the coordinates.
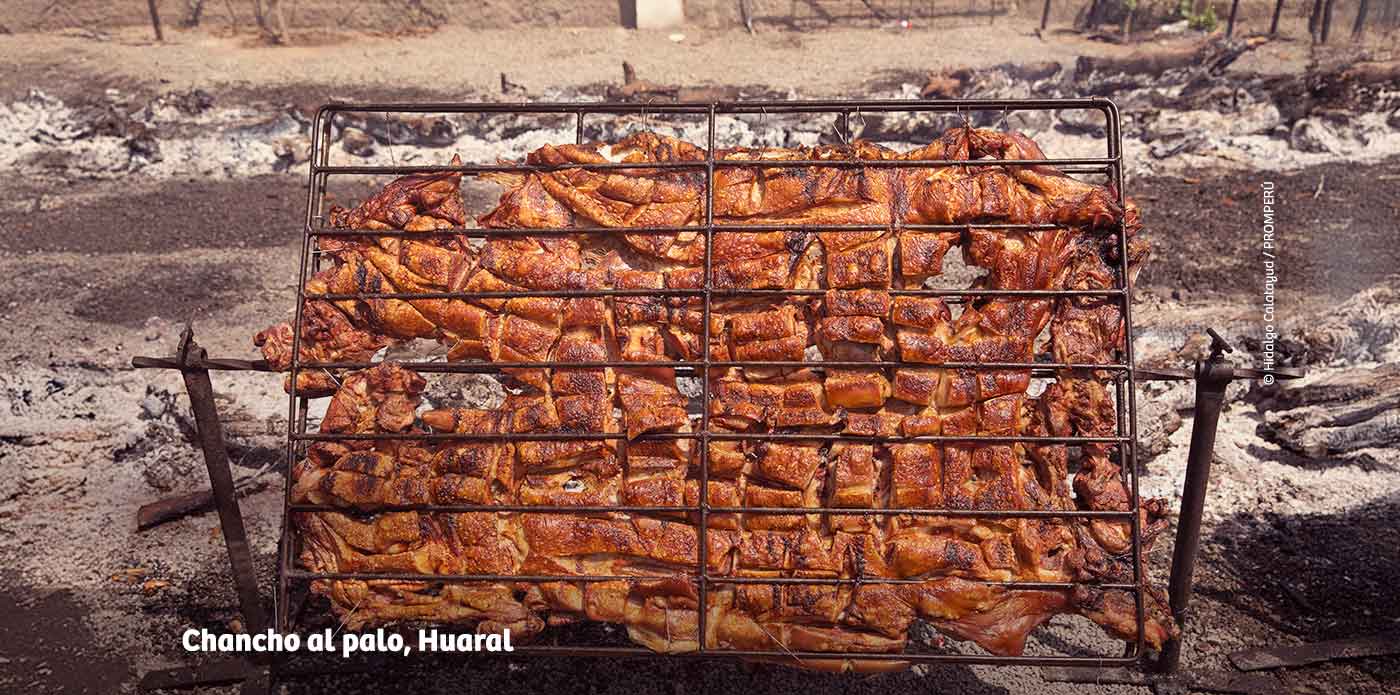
(182, 135)
(1362, 330)
(464, 390)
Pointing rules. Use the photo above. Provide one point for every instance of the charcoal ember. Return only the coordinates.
(357, 142)
(192, 102)
(1315, 135)
(1083, 121)
(1176, 144)
(1157, 420)
(903, 126)
(1034, 71)
(1029, 121)
(292, 151)
(143, 144)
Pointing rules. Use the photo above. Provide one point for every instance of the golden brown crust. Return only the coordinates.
(856, 319)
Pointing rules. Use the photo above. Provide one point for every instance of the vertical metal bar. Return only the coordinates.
(1230, 26)
(1212, 377)
(1045, 16)
(1326, 19)
(704, 497)
(315, 194)
(211, 441)
(578, 127)
(1273, 24)
(1128, 450)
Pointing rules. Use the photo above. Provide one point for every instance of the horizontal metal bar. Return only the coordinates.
(206, 363)
(713, 436)
(689, 292)
(837, 581)
(522, 294)
(218, 364)
(304, 575)
(720, 228)
(797, 657)
(723, 107)
(479, 367)
(761, 511)
(1095, 165)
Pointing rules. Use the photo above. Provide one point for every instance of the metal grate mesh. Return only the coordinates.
(1109, 165)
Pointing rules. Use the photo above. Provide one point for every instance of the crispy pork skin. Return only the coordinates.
(767, 377)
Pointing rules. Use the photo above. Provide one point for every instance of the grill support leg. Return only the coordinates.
(211, 441)
(1165, 677)
(254, 677)
(1212, 378)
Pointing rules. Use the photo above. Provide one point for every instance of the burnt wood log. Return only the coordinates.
(1352, 87)
(637, 89)
(1211, 55)
(1339, 413)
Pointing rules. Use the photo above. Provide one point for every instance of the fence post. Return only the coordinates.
(155, 20)
(1359, 27)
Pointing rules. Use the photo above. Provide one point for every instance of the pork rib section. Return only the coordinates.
(898, 568)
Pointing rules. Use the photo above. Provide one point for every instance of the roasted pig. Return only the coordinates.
(767, 378)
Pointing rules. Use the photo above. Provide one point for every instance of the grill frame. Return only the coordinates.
(320, 172)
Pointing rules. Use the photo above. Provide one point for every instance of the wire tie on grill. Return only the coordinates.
(778, 642)
(839, 126)
(646, 115)
(351, 614)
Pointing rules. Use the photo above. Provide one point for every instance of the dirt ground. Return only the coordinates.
(354, 66)
(96, 271)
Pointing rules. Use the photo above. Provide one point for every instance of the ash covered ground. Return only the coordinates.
(137, 201)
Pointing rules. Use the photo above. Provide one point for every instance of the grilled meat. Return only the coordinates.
(849, 315)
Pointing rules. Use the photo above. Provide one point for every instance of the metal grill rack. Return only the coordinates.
(1109, 165)
(258, 673)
